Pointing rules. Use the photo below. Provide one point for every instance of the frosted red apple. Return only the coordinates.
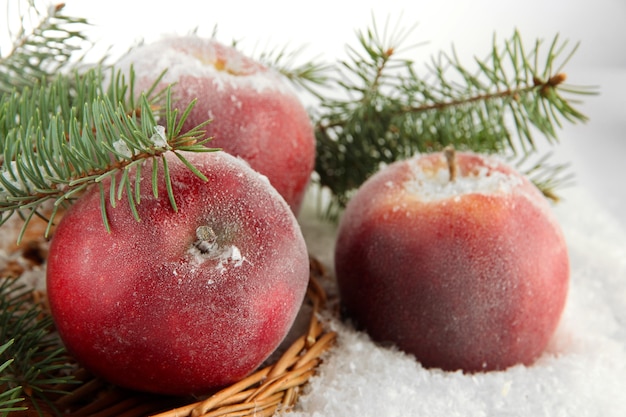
(180, 302)
(468, 274)
(254, 112)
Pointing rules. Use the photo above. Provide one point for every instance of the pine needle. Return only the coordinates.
(32, 359)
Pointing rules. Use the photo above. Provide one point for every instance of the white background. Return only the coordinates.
(596, 149)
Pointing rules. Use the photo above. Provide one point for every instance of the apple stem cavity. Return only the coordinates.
(450, 154)
(206, 247)
(207, 239)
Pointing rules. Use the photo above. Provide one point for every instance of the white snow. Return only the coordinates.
(582, 373)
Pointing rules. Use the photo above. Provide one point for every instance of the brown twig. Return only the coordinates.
(453, 166)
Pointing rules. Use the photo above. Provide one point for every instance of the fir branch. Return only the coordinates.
(34, 363)
(546, 176)
(41, 49)
(391, 112)
(9, 397)
(59, 138)
(311, 75)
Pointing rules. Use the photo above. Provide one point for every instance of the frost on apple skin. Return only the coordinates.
(254, 111)
(460, 280)
(139, 308)
(193, 56)
(431, 182)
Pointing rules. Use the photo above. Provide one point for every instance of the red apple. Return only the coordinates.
(179, 302)
(470, 273)
(254, 112)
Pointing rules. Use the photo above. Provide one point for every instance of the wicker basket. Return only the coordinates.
(273, 389)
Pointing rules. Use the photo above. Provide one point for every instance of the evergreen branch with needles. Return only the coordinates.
(59, 138)
(42, 46)
(10, 396)
(387, 112)
(62, 130)
(32, 360)
(309, 75)
(391, 112)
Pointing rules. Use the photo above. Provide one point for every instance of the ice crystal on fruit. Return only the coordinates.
(122, 148)
(159, 139)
